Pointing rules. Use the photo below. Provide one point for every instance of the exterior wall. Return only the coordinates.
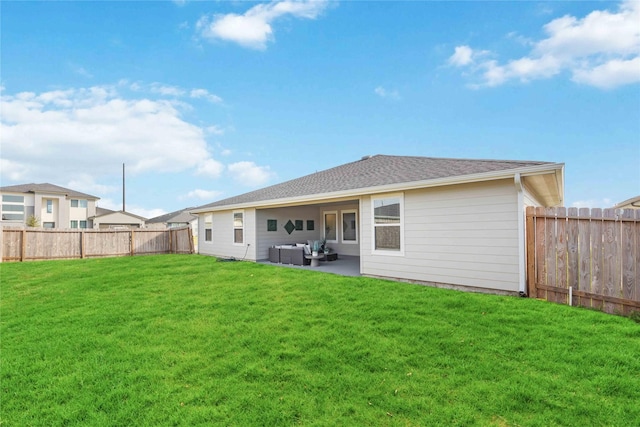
(267, 239)
(462, 235)
(222, 244)
(260, 239)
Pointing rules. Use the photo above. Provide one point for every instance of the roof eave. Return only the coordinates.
(403, 186)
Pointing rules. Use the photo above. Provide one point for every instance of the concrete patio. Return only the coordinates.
(344, 266)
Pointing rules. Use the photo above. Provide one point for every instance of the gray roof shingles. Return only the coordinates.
(374, 171)
(45, 188)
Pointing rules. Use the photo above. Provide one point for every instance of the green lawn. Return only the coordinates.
(187, 340)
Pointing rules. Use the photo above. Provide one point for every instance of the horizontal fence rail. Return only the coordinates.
(585, 257)
(31, 244)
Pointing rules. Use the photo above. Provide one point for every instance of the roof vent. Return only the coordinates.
(367, 157)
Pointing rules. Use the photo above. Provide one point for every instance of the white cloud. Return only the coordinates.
(383, 93)
(250, 174)
(602, 50)
(91, 132)
(202, 194)
(253, 29)
(210, 167)
(166, 90)
(203, 93)
(214, 130)
(461, 56)
(593, 203)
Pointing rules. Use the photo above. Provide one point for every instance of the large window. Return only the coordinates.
(331, 226)
(238, 227)
(208, 228)
(388, 224)
(349, 227)
(75, 223)
(12, 207)
(76, 203)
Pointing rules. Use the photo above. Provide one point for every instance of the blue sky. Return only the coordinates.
(206, 100)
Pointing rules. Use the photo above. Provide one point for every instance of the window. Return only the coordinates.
(238, 227)
(12, 207)
(83, 224)
(49, 224)
(208, 228)
(12, 199)
(388, 224)
(349, 227)
(330, 226)
(49, 206)
(75, 203)
(74, 223)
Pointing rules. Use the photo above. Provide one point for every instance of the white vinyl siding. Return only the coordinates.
(464, 235)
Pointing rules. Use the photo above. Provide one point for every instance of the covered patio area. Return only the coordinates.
(345, 265)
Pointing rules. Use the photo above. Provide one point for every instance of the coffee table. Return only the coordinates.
(315, 259)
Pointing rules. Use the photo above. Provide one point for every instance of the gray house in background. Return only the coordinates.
(181, 218)
(446, 222)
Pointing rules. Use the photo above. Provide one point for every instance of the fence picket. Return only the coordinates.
(610, 271)
(584, 254)
(572, 251)
(561, 254)
(628, 242)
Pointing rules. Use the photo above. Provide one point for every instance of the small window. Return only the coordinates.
(83, 224)
(388, 224)
(49, 224)
(208, 228)
(49, 206)
(74, 203)
(238, 227)
(74, 223)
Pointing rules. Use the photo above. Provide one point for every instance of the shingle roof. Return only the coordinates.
(374, 171)
(46, 188)
(182, 215)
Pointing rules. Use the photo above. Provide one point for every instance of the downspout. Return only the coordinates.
(522, 265)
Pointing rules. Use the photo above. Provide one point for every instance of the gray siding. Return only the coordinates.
(464, 235)
(222, 244)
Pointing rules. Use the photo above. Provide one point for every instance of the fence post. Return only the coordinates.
(531, 252)
(23, 246)
(131, 243)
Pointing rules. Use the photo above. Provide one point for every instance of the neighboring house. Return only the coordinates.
(448, 222)
(106, 218)
(179, 218)
(52, 205)
(632, 203)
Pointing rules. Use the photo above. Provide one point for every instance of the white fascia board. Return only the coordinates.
(402, 186)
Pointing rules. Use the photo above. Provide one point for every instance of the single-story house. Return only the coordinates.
(438, 221)
(181, 218)
(108, 219)
(632, 203)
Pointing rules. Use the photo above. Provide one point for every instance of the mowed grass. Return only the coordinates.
(188, 340)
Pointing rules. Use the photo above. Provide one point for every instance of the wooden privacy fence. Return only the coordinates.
(39, 244)
(586, 257)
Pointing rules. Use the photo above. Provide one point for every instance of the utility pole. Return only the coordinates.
(123, 209)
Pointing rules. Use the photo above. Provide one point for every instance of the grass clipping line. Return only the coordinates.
(186, 340)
